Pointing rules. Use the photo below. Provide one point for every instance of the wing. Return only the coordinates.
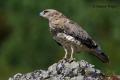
(74, 30)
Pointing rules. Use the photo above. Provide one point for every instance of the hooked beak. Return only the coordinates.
(41, 14)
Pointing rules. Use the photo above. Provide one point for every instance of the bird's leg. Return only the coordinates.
(72, 52)
(66, 52)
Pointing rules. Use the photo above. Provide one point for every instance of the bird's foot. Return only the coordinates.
(66, 59)
(71, 60)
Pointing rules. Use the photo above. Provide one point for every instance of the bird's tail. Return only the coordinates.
(101, 55)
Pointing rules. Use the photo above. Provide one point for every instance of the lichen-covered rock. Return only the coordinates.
(64, 70)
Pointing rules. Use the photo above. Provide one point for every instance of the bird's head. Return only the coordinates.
(50, 13)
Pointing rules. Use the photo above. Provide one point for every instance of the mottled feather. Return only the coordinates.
(70, 35)
(73, 29)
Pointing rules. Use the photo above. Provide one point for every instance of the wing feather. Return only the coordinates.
(74, 30)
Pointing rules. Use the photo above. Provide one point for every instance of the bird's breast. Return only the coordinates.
(67, 40)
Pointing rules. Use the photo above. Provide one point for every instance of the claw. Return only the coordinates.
(65, 58)
(71, 60)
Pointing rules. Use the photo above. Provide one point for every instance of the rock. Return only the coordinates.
(64, 70)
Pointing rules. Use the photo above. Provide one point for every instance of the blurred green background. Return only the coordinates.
(26, 44)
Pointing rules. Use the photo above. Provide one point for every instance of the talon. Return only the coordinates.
(65, 58)
(71, 60)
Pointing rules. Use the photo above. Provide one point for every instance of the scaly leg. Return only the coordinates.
(66, 52)
(72, 52)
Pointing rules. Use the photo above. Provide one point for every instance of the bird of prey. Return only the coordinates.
(72, 37)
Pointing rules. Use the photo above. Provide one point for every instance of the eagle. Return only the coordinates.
(72, 37)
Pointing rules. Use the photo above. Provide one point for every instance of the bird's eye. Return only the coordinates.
(45, 12)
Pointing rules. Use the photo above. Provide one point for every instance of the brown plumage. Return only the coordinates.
(72, 37)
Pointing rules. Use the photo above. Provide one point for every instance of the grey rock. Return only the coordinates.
(64, 70)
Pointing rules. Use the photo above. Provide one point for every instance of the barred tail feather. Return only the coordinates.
(101, 55)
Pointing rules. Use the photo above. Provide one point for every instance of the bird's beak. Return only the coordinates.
(41, 14)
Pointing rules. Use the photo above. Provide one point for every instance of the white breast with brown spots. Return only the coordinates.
(68, 41)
